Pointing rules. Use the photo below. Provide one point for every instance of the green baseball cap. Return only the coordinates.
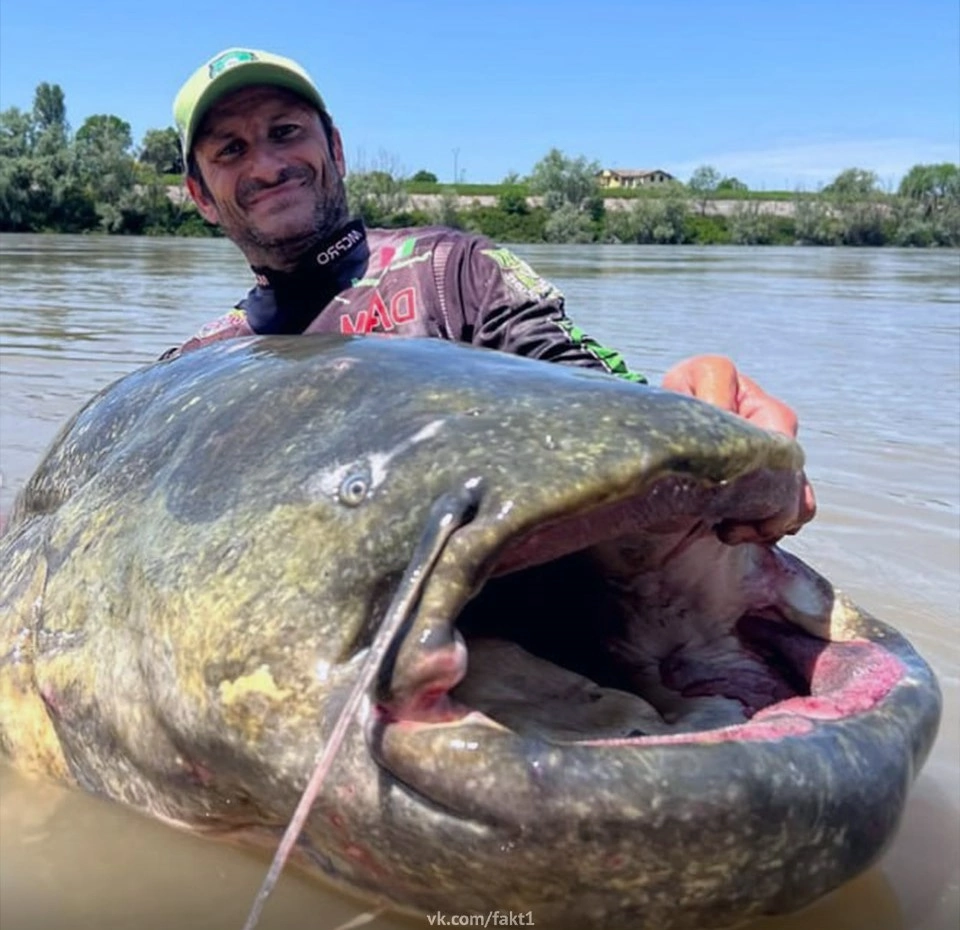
(229, 71)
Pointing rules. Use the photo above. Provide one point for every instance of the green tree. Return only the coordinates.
(376, 191)
(446, 211)
(512, 199)
(731, 185)
(566, 181)
(506, 227)
(424, 177)
(160, 150)
(105, 134)
(911, 226)
(107, 169)
(750, 224)
(18, 202)
(40, 193)
(39, 184)
(658, 220)
(16, 133)
(865, 222)
(932, 185)
(568, 224)
(50, 129)
(816, 221)
(857, 206)
(376, 196)
(50, 107)
(852, 184)
(703, 184)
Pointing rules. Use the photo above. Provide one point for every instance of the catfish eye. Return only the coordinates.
(354, 488)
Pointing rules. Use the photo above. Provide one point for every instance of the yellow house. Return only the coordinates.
(632, 177)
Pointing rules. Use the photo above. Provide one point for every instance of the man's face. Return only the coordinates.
(272, 179)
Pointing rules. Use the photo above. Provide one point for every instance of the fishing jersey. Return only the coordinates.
(424, 281)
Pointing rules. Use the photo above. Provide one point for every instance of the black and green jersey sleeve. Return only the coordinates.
(504, 304)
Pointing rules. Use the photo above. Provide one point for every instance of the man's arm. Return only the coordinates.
(228, 326)
(500, 302)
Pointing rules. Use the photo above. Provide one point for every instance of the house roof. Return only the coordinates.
(635, 172)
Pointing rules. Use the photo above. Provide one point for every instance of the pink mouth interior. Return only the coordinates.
(658, 635)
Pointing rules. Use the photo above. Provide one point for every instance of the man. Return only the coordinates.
(265, 162)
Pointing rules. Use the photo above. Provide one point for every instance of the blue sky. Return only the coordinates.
(779, 94)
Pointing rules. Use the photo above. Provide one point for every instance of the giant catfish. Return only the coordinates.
(597, 710)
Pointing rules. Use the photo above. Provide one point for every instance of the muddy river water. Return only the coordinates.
(865, 344)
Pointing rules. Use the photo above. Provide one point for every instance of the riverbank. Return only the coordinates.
(776, 207)
(433, 203)
(671, 217)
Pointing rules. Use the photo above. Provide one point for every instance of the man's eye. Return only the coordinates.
(284, 130)
(231, 148)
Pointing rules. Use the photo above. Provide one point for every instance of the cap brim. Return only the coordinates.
(247, 75)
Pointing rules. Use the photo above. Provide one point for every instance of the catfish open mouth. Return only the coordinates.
(633, 623)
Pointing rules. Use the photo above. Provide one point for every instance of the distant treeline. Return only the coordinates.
(96, 180)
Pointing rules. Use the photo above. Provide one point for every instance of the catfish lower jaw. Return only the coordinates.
(525, 739)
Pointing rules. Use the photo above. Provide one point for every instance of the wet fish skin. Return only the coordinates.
(193, 573)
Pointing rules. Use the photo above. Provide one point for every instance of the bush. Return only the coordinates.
(376, 197)
(568, 224)
(863, 224)
(661, 220)
(446, 212)
(750, 225)
(815, 222)
(506, 227)
(706, 230)
(916, 232)
(513, 199)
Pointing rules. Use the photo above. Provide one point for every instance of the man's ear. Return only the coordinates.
(336, 149)
(206, 206)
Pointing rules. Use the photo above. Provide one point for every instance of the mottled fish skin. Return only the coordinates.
(191, 577)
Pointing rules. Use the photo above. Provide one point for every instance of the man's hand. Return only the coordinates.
(716, 380)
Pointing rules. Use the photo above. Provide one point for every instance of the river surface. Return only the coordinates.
(865, 344)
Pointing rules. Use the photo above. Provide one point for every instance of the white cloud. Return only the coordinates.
(808, 165)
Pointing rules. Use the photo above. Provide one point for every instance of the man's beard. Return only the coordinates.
(330, 212)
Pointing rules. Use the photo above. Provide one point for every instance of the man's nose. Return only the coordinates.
(265, 163)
